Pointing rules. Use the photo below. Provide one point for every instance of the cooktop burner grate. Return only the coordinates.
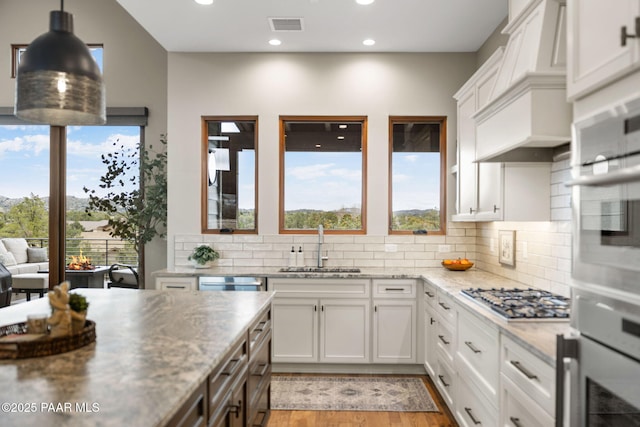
(522, 304)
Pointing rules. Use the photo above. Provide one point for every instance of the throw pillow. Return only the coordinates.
(18, 247)
(8, 259)
(37, 254)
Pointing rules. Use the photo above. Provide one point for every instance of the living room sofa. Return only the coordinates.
(19, 258)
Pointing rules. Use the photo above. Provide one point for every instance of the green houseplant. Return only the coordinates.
(203, 256)
(79, 306)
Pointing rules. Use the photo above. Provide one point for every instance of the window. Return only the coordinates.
(229, 185)
(322, 169)
(416, 176)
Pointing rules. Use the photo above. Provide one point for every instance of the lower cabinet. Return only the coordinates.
(430, 337)
(165, 283)
(472, 407)
(237, 391)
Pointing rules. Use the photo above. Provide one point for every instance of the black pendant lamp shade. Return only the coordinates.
(59, 83)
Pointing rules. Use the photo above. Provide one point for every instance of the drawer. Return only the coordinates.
(478, 353)
(446, 308)
(445, 340)
(446, 382)
(430, 294)
(176, 283)
(192, 412)
(472, 408)
(259, 330)
(532, 375)
(232, 366)
(394, 289)
(517, 409)
(259, 369)
(261, 409)
(321, 288)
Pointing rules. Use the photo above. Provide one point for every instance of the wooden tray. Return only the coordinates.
(19, 348)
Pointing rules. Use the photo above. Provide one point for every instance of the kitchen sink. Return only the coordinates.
(319, 270)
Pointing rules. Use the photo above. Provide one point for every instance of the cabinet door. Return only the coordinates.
(295, 330)
(430, 344)
(344, 330)
(394, 331)
(490, 191)
(596, 54)
(467, 169)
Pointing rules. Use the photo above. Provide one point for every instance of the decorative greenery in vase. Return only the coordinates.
(203, 254)
(79, 306)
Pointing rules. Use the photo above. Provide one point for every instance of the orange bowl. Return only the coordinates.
(457, 267)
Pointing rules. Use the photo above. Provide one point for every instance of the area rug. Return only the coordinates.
(322, 393)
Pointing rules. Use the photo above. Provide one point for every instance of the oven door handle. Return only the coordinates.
(565, 347)
(619, 176)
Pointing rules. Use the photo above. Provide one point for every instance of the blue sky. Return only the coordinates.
(24, 157)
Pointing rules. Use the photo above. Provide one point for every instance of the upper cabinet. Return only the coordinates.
(599, 51)
(528, 107)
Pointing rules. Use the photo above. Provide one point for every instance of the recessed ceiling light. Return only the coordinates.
(341, 137)
(342, 126)
(365, 2)
(275, 42)
(369, 42)
(205, 2)
(318, 145)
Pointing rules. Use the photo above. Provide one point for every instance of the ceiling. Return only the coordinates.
(327, 25)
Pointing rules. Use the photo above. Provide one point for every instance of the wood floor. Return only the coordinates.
(368, 419)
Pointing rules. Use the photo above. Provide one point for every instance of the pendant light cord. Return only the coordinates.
(61, 5)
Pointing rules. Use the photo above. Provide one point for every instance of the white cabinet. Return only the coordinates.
(597, 55)
(534, 378)
(176, 283)
(479, 184)
(471, 406)
(321, 320)
(394, 321)
(344, 331)
(430, 333)
(295, 329)
(478, 354)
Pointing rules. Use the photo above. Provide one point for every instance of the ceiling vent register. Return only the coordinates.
(286, 24)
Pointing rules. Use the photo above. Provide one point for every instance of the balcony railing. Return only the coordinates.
(99, 251)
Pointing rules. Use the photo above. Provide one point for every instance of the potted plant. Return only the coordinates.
(203, 256)
(79, 306)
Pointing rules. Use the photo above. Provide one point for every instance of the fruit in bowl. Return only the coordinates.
(459, 264)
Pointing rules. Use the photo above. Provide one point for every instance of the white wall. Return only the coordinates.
(269, 85)
(135, 65)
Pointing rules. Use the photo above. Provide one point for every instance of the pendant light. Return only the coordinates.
(59, 83)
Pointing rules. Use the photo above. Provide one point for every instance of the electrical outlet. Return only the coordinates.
(390, 247)
(444, 248)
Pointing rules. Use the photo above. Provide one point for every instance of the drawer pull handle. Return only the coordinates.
(468, 411)
(472, 347)
(263, 371)
(260, 326)
(236, 409)
(522, 369)
(443, 340)
(443, 305)
(515, 421)
(394, 289)
(175, 287)
(429, 294)
(432, 320)
(443, 381)
(230, 368)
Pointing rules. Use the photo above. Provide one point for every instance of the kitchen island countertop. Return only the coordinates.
(153, 348)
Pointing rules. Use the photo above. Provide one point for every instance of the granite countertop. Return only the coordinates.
(153, 348)
(539, 337)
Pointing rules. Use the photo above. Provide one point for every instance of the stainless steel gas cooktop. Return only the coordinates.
(522, 304)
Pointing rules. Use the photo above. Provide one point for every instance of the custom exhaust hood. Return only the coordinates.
(527, 117)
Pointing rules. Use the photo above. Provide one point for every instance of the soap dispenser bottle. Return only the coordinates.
(292, 257)
(300, 257)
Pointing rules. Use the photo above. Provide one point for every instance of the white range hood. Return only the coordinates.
(527, 115)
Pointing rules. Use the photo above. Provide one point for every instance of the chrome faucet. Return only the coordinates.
(320, 241)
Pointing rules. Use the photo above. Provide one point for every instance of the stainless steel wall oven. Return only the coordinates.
(600, 365)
